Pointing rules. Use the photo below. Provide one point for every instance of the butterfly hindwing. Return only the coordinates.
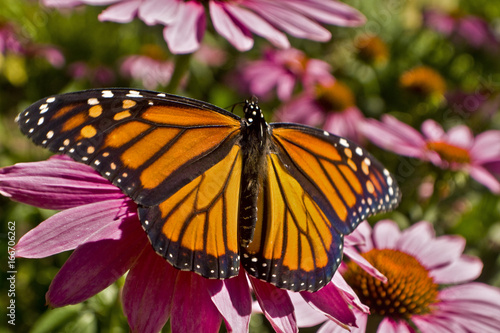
(196, 229)
(148, 144)
(345, 181)
(295, 246)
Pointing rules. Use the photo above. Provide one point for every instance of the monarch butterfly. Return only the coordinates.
(213, 188)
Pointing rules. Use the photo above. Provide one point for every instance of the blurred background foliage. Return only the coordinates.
(53, 51)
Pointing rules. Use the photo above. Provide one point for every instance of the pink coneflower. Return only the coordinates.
(474, 30)
(101, 225)
(283, 69)
(455, 149)
(331, 105)
(185, 21)
(428, 284)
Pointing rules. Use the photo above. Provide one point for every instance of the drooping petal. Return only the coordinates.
(389, 325)
(192, 307)
(123, 12)
(306, 315)
(276, 306)
(94, 266)
(148, 292)
(258, 25)
(464, 269)
(185, 33)
(57, 183)
(329, 301)
(159, 11)
(234, 302)
(70, 228)
(483, 176)
(363, 263)
(331, 12)
(289, 20)
(236, 33)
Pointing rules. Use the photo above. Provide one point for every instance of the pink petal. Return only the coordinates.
(234, 302)
(386, 234)
(473, 293)
(329, 301)
(148, 292)
(460, 136)
(159, 11)
(349, 294)
(331, 12)
(294, 23)
(393, 135)
(122, 12)
(483, 176)
(70, 228)
(185, 33)
(362, 232)
(389, 325)
(432, 130)
(415, 238)
(276, 306)
(441, 251)
(192, 308)
(306, 315)
(464, 269)
(94, 266)
(57, 183)
(486, 147)
(434, 324)
(364, 264)
(258, 25)
(234, 31)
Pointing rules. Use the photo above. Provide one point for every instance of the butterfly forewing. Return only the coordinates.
(345, 181)
(147, 144)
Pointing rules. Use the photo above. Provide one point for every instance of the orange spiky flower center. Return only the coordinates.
(449, 153)
(424, 81)
(409, 289)
(335, 97)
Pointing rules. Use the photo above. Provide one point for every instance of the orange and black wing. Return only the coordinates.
(318, 187)
(172, 155)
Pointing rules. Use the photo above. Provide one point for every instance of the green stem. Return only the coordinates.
(181, 67)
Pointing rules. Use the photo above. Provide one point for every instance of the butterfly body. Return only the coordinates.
(216, 192)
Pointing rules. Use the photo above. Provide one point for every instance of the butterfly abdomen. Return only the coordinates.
(254, 147)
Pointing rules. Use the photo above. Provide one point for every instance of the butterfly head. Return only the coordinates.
(253, 113)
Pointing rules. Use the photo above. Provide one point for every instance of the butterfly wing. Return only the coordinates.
(172, 155)
(318, 188)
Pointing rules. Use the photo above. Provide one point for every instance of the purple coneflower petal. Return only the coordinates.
(57, 183)
(386, 234)
(236, 33)
(122, 12)
(192, 307)
(486, 147)
(276, 306)
(363, 263)
(95, 265)
(331, 12)
(388, 325)
(415, 237)
(159, 11)
(306, 315)
(483, 176)
(148, 292)
(72, 227)
(463, 269)
(329, 301)
(258, 25)
(185, 33)
(441, 251)
(432, 130)
(460, 136)
(234, 302)
(294, 23)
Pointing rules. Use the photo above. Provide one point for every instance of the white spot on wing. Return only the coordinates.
(344, 142)
(93, 101)
(107, 94)
(50, 99)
